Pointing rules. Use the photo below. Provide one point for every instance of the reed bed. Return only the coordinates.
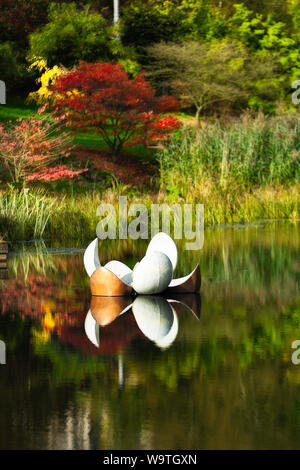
(241, 155)
(34, 215)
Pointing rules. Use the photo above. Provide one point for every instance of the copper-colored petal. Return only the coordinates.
(106, 283)
(187, 284)
(106, 309)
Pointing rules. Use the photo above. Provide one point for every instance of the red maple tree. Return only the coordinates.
(123, 110)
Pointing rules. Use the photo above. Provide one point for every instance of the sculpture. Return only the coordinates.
(152, 275)
(155, 317)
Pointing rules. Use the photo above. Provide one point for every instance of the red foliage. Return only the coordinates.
(124, 110)
(29, 148)
(55, 173)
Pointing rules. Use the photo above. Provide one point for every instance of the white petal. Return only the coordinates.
(153, 274)
(181, 280)
(163, 243)
(91, 328)
(91, 259)
(121, 270)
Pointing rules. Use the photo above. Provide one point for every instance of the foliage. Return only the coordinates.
(242, 154)
(266, 36)
(143, 23)
(203, 75)
(48, 77)
(295, 15)
(71, 209)
(123, 110)
(270, 34)
(72, 34)
(18, 18)
(10, 70)
(13, 69)
(29, 147)
(202, 20)
(24, 214)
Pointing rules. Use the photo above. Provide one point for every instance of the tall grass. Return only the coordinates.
(244, 154)
(28, 215)
(24, 214)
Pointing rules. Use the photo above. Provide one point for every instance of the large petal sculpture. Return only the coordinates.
(152, 275)
(156, 317)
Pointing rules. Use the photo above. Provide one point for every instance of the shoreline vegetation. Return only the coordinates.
(242, 171)
(178, 102)
(34, 214)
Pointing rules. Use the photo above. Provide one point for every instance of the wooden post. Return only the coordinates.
(3, 260)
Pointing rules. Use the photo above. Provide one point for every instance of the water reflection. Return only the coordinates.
(155, 316)
(157, 319)
(226, 381)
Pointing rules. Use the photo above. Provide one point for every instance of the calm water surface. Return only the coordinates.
(160, 376)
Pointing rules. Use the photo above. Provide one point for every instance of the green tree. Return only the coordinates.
(143, 23)
(206, 74)
(203, 20)
(266, 36)
(73, 34)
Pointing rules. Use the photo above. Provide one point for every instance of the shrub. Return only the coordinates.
(47, 78)
(29, 147)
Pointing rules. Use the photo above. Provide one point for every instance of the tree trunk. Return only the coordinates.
(198, 116)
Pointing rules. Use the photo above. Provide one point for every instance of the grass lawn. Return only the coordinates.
(15, 109)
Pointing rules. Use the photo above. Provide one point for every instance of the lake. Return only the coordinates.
(211, 372)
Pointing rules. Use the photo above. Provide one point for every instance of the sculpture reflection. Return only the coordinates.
(155, 317)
